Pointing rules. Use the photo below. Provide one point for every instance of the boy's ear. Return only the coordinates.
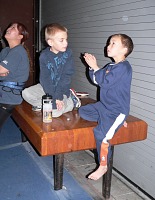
(125, 50)
(49, 42)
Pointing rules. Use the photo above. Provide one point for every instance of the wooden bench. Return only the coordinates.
(70, 133)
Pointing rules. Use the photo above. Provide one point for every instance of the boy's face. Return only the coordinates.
(115, 49)
(58, 42)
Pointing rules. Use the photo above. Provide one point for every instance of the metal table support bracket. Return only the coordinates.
(58, 162)
(106, 184)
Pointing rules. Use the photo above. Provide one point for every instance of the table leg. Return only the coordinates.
(23, 137)
(58, 161)
(106, 184)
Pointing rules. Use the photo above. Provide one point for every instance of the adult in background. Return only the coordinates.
(14, 69)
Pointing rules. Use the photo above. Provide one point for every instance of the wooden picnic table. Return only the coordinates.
(70, 133)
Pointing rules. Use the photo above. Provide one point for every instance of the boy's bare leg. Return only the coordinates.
(103, 163)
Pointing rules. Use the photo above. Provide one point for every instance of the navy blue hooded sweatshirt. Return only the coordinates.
(115, 82)
(56, 71)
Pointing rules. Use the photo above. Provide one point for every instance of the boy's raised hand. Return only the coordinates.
(91, 61)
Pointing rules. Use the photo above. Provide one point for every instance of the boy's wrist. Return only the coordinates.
(94, 68)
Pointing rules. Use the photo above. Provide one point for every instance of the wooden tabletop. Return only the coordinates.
(70, 132)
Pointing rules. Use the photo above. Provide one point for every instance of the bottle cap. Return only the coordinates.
(47, 96)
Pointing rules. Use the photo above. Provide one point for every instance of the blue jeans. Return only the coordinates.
(5, 112)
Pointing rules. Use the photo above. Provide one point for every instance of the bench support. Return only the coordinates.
(23, 137)
(106, 181)
(58, 162)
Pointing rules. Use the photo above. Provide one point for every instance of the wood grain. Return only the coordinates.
(63, 135)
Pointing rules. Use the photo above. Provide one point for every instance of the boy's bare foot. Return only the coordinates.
(98, 173)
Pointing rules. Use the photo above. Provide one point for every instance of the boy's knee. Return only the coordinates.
(25, 92)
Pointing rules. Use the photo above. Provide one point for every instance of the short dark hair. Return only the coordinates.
(126, 41)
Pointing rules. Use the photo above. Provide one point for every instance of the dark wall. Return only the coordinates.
(24, 12)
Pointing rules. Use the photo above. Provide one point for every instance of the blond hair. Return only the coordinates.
(52, 29)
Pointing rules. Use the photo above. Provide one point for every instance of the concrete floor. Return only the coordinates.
(79, 164)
